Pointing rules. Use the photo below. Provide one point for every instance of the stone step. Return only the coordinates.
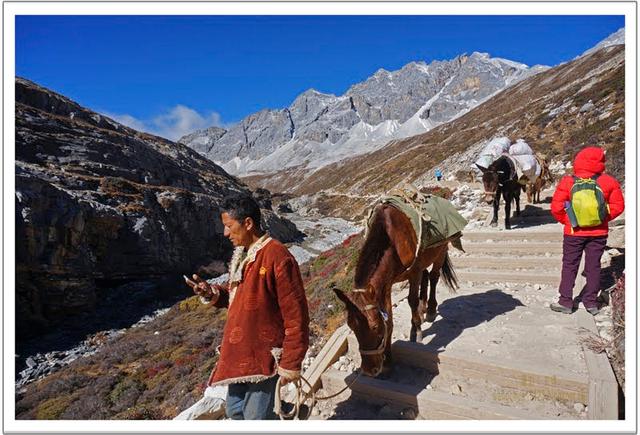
(539, 381)
(430, 404)
(511, 248)
(527, 263)
(515, 234)
(522, 223)
(493, 276)
(447, 367)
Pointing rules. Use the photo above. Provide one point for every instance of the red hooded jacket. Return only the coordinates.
(588, 162)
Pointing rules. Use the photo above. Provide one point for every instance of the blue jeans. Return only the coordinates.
(252, 401)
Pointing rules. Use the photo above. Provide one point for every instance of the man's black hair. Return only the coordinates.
(241, 206)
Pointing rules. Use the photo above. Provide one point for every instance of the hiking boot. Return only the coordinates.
(560, 308)
(593, 310)
(576, 303)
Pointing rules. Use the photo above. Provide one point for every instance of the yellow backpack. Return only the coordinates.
(587, 207)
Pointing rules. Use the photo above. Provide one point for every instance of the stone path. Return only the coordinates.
(495, 350)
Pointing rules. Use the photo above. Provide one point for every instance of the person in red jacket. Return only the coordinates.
(266, 334)
(592, 240)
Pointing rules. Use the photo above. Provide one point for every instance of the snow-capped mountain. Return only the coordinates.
(616, 38)
(318, 129)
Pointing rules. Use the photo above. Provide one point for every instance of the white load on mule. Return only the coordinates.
(494, 149)
(527, 166)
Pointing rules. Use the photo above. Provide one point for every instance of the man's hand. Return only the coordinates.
(287, 376)
(202, 288)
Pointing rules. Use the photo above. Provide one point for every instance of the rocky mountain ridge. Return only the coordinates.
(616, 38)
(318, 129)
(556, 112)
(100, 206)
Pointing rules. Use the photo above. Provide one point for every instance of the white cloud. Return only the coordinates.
(129, 121)
(173, 124)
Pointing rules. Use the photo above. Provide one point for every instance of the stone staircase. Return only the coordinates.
(529, 253)
(495, 351)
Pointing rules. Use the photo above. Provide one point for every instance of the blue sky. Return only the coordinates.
(173, 74)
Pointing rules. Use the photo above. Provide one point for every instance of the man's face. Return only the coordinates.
(239, 232)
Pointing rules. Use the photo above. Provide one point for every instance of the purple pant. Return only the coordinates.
(572, 247)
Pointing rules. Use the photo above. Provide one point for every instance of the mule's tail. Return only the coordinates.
(449, 275)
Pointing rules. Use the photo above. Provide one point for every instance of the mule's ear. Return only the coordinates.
(482, 168)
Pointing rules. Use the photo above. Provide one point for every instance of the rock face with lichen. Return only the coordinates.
(100, 205)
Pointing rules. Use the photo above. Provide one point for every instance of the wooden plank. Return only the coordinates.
(335, 346)
(603, 387)
(429, 403)
(568, 388)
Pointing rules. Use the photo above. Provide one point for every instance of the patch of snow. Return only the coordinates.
(301, 255)
(138, 227)
(498, 61)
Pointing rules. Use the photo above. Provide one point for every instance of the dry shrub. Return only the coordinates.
(53, 408)
(615, 347)
(617, 350)
(132, 208)
(118, 186)
(465, 175)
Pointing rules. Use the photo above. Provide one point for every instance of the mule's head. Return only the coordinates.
(368, 321)
(490, 180)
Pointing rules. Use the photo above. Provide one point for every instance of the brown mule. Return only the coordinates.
(387, 257)
(534, 189)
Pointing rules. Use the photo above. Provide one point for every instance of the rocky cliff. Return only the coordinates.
(99, 205)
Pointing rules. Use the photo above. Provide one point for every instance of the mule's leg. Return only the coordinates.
(413, 299)
(496, 206)
(518, 202)
(388, 362)
(434, 277)
(507, 209)
(424, 293)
